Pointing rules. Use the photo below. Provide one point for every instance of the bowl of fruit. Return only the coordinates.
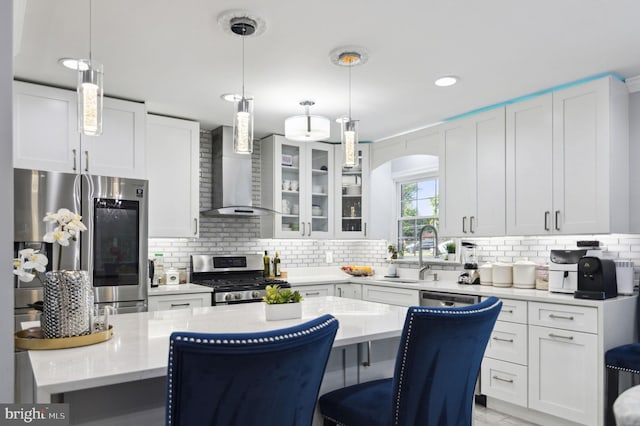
(358, 271)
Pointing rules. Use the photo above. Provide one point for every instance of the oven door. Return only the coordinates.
(114, 250)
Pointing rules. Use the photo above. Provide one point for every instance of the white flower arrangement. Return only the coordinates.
(29, 261)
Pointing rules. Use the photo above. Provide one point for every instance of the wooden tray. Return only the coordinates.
(33, 339)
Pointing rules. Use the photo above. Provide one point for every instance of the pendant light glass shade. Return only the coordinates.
(349, 142)
(90, 97)
(243, 126)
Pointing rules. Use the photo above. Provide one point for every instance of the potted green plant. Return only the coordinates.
(282, 303)
(451, 249)
(393, 251)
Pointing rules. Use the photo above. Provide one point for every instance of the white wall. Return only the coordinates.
(6, 195)
(634, 158)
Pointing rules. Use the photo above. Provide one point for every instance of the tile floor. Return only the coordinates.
(484, 416)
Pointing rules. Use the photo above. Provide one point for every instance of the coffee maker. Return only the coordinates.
(596, 278)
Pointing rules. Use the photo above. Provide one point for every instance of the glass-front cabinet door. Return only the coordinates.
(291, 204)
(320, 158)
(351, 198)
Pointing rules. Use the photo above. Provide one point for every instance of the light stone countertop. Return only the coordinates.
(165, 290)
(138, 349)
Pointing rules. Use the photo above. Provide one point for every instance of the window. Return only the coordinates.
(418, 207)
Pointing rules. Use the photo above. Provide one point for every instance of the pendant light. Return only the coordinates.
(90, 90)
(349, 126)
(243, 106)
(307, 127)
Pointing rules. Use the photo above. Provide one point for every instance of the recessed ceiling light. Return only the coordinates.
(73, 63)
(445, 81)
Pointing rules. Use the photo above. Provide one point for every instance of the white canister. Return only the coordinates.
(172, 276)
(624, 276)
(524, 274)
(502, 274)
(486, 274)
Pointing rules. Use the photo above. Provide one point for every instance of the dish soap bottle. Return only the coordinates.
(276, 265)
(267, 263)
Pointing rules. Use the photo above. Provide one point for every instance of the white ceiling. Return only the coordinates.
(174, 55)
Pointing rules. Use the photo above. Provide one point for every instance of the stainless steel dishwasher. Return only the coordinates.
(446, 300)
(441, 299)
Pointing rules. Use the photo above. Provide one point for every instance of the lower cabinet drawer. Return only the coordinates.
(504, 380)
(390, 295)
(508, 342)
(314, 290)
(566, 317)
(179, 301)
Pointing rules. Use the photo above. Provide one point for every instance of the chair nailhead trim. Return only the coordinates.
(628, 370)
(232, 342)
(406, 345)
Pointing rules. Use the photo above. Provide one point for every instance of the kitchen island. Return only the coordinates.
(122, 381)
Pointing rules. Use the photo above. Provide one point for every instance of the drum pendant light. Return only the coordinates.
(243, 106)
(307, 127)
(90, 91)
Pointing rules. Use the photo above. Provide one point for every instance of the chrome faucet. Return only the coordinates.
(424, 267)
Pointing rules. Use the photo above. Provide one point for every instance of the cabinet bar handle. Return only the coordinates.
(559, 336)
(507, 311)
(502, 380)
(557, 220)
(86, 165)
(503, 340)
(464, 224)
(367, 363)
(365, 229)
(471, 224)
(554, 316)
(174, 305)
(74, 159)
(546, 220)
(303, 228)
(315, 293)
(195, 222)
(339, 291)
(309, 232)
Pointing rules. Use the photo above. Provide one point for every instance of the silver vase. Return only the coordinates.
(67, 304)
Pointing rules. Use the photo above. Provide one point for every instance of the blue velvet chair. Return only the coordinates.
(621, 358)
(435, 372)
(265, 378)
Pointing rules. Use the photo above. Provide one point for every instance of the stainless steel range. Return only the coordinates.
(234, 278)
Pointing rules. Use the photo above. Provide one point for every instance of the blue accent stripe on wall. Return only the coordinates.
(533, 95)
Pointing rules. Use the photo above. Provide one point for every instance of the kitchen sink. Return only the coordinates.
(399, 280)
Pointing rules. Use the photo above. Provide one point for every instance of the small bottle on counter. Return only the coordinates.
(182, 273)
(276, 265)
(267, 264)
(158, 267)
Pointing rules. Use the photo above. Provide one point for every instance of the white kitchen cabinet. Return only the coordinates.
(503, 374)
(297, 182)
(179, 301)
(46, 136)
(174, 177)
(562, 373)
(348, 290)
(567, 161)
(390, 295)
(472, 175)
(351, 195)
(314, 290)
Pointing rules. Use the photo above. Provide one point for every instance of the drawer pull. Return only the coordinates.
(175, 305)
(502, 380)
(503, 340)
(507, 311)
(315, 293)
(554, 316)
(559, 336)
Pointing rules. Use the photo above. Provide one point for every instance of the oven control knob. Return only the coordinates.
(255, 294)
(238, 296)
(228, 297)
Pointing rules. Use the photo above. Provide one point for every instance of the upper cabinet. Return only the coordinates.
(174, 177)
(46, 135)
(567, 161)
(472, 176)
(352, 209)
(297, 182)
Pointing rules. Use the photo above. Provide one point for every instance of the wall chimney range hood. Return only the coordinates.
(231, 179)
